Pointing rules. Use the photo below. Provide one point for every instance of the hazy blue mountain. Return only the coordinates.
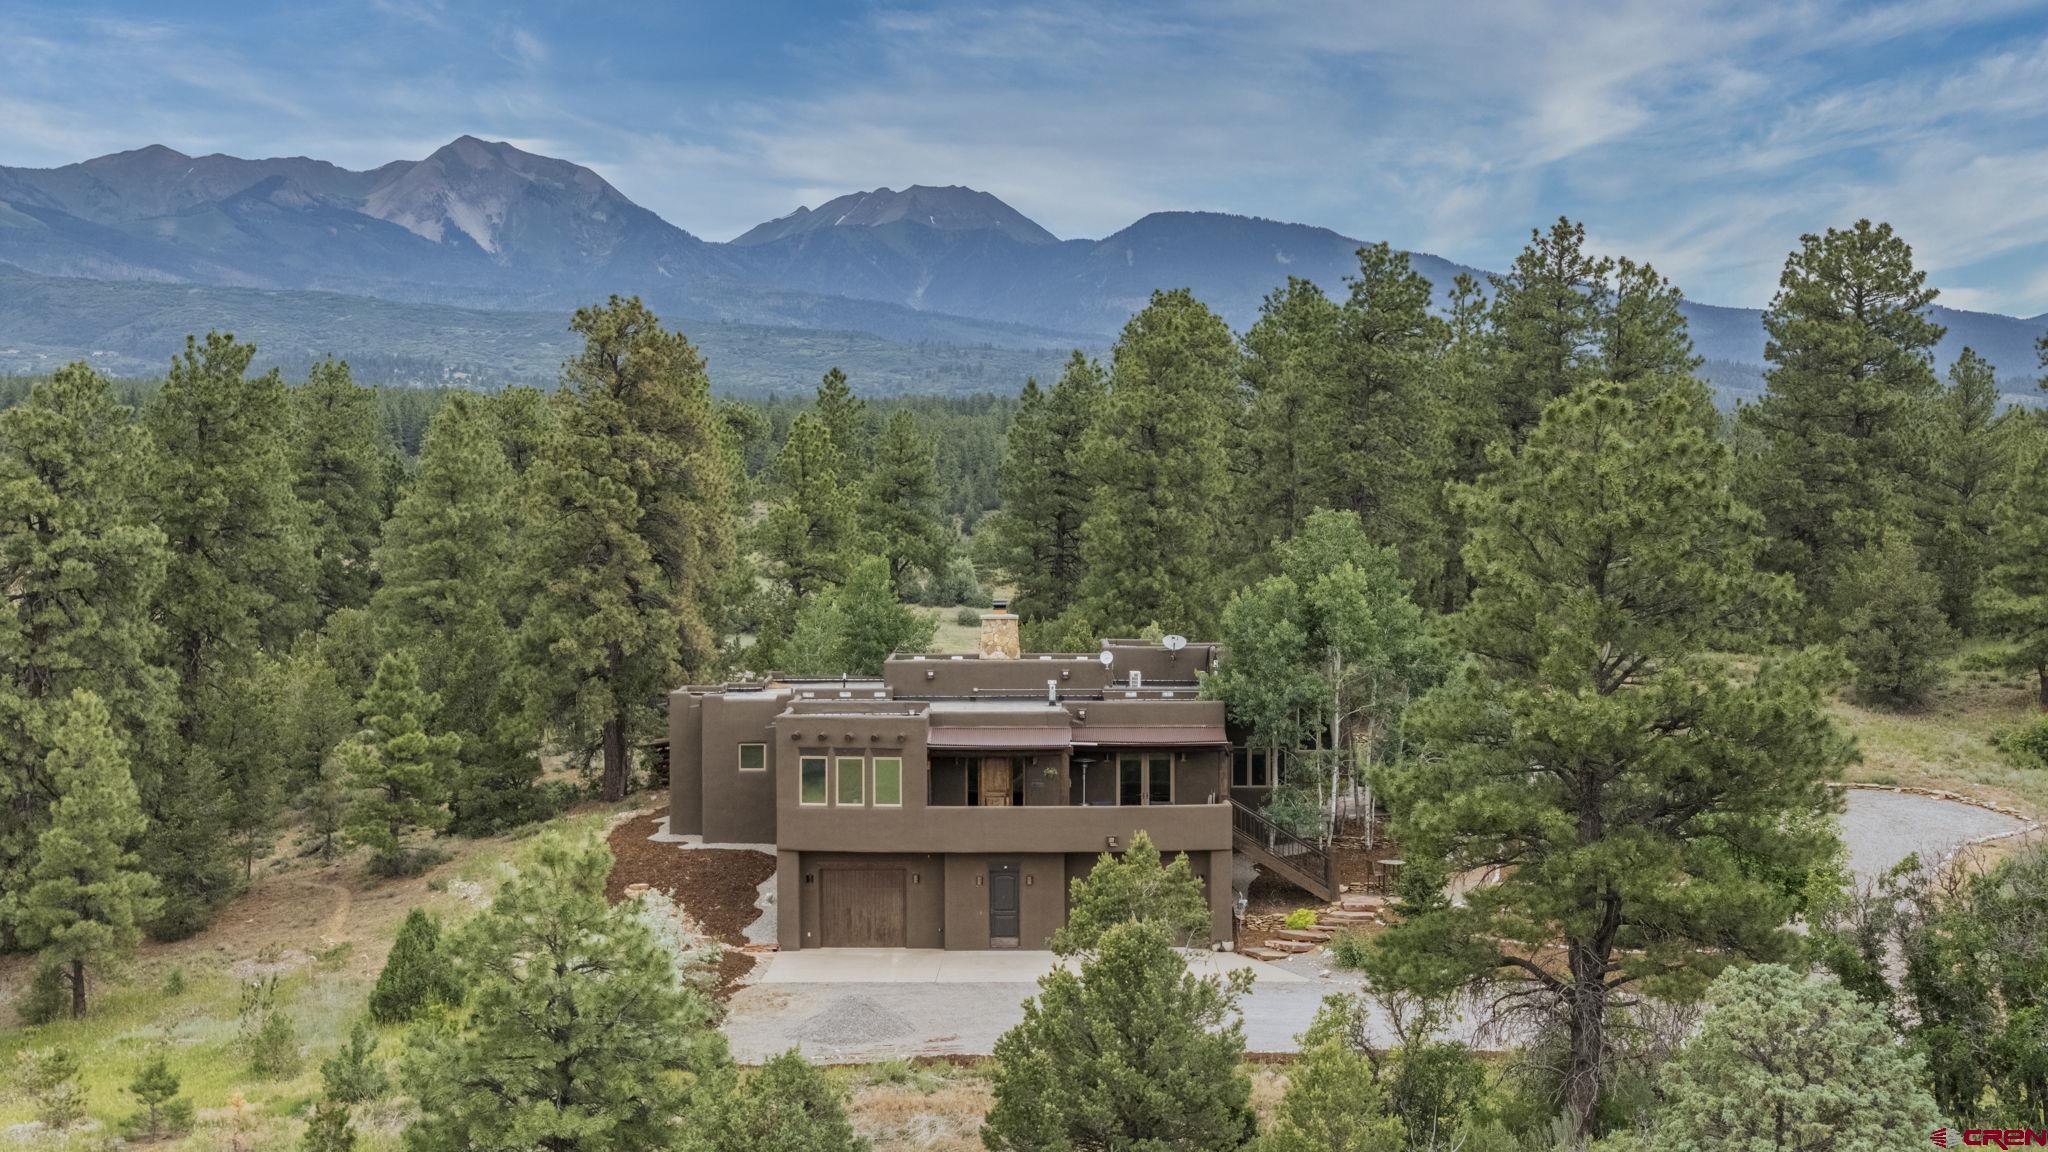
(483, 225)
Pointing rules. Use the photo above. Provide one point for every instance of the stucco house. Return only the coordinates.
(948, 802)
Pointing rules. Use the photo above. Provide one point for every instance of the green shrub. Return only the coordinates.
(415, 975)
(1348, 949)
(1301, 918)
(2028, 744)
(328, 1129)
(174, 984)
(902, 1073)
(45, 998)
(269, 1038)
(50, 1077)
(967, 617)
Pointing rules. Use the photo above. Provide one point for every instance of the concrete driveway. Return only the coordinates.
(937, 966)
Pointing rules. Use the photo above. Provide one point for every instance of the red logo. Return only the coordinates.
(1994, 1137)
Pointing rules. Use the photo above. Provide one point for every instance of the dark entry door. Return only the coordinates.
(1002, 904)
(860, 907)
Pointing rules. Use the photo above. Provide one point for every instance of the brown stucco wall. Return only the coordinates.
(685, 763)
(739, 807)
(1041, 903)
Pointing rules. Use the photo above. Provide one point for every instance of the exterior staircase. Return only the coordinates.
(1300, 862)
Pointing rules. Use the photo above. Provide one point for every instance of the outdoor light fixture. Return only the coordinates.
(1113, 845)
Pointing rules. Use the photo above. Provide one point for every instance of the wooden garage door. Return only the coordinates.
(860, 907)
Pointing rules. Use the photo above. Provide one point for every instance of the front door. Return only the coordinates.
(1002, 904)
(998, 776)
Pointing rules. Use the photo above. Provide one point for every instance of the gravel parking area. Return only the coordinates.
(1881, 828)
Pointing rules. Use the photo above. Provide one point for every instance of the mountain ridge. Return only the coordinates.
(482, 224)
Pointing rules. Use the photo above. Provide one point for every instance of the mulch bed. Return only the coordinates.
(716, 886)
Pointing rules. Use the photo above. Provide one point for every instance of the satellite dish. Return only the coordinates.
(1107, 657)
(1174, 643)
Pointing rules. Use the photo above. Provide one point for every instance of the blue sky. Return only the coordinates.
(1702, 137)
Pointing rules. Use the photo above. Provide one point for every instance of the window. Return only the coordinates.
(852, 780)
(1250, 768)
(889, 781)
(1130, 780)
(1159, 779)
(753, 757)
(811, 780)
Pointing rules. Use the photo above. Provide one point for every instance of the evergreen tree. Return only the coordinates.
(1046, 489)
(787, 1106)
(524, 420)
(1158, 457)
(1546, 320)
(1643, 336)
(82, 566)
(341, 463)
(575, 1030)
(1466, 417)
(809, 534)
(901, 511)
(1291, 368)
(633, 533)
(1640, 801)
(1969, 475)
(2016, 605)
(164, 1113)
(877, 624)
(400, 770)
(239, 571)
(1783, 1061)
(87, 893)
(328, 1128)
(354, 1074)
(1136, 887)
(1842, 428)
(846, 417)
(1894, 633)
(1375, 431)
(450, 568)
(1132, 1051)
(325, 804)
(416, 973)
(1333, 1101)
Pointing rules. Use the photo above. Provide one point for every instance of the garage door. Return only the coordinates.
(860, 907)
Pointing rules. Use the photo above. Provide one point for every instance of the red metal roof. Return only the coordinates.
(1000, 736)
(1154, 735)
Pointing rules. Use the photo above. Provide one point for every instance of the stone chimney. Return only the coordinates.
(999, 633)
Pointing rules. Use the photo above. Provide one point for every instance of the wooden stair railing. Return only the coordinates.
(1301, 862)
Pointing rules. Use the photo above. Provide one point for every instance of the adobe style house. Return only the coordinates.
(948, 803)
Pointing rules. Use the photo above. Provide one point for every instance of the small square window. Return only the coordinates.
(811, 783)
(889, 781)
(852, 780)
(753, 757)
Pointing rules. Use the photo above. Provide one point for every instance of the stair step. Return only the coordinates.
(1312, 935)
(1258, 953)
(1349, 917)
(1356, 902)
(1291, 945)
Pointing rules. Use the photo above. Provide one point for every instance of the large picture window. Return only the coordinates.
(753, 757)
(1250, 768)
(889, 781)
(852, 781)
(811, 780)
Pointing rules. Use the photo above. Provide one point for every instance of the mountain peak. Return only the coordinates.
(478, 188)
(952, 208)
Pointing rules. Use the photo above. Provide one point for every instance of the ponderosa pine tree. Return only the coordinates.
(900, 509)
(87, 894)
(340, 461)
(1375, 430)
(1158, 458)
(809, 535)
(576, 1035)
(238, 579)
(2016, 601)
(524, 420)
(1893, 631)
(1291, 371)
(846, 417)
(1642, 803)
(82, 566)
(632, 532)
(1843, 425)
(400, 769)
(1046, 489)
(1467, 425)
(1970, 472)
(449, 563)
(164, 1113)
(1545, 321)
(876, 623)
(416, 973)
(1132, 1051)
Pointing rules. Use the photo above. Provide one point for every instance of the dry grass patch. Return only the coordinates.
(1952, 742)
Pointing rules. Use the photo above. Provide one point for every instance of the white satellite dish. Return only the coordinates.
(1107, 657)
(1174, 643)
